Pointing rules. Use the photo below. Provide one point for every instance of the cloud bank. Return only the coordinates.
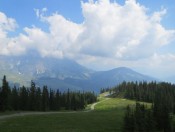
(110, 34)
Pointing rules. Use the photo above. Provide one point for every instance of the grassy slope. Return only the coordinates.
(108, 116)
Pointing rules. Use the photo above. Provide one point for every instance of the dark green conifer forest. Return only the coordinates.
(34, 98)
(140, 118)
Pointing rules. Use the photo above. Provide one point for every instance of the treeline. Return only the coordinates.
(103, 90)
(152, 92)
(36, 99)
(162, 97)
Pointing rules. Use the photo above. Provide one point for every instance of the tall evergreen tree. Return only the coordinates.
(57, 100)
(129, 120)
(52, 100)
(68, 103)
(14, 99)
(4, 95)
(32, 97)
(38, 99)
(1, 99)
(45, 99)
(23, 99)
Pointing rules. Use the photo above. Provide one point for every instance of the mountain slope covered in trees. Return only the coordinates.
(145, 119)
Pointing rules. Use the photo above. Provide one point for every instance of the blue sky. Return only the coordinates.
(71, 9)
(99, 34)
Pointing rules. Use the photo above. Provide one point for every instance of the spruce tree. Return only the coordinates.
(52, 100)
(38, 99)
(23, 99)
(45, 99)
(32, 97)
(0, 99)
(57, 100)
(129, 120)
(5, 94)
(14, 99)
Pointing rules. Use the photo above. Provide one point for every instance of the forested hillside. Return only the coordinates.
(141, 118)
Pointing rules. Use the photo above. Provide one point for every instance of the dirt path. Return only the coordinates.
(46, 113)
(32, 113)
(94, 104)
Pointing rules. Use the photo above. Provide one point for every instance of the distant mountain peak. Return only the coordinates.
(63, 73)
(121, 69)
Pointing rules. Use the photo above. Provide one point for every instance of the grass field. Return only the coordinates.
(107, 117)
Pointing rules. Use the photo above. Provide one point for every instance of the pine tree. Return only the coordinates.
(23, 99)
(32, 97)
(14, 99)
(52, 100)
(1, 99)
(45, 99)
(82, 101)
(129, 121)
(57, 100)
(68, 100)
(4, 95)
(38, 99)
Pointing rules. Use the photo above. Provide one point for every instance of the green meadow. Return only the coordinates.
(107, 117)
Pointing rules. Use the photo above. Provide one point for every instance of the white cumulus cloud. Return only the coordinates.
(123, 32)
(110, 32)
(6, 25)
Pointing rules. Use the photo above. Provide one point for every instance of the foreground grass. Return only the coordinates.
(107, 117)
(8, 113)
(74, 122)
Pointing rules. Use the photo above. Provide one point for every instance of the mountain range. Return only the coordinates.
(63, 73)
